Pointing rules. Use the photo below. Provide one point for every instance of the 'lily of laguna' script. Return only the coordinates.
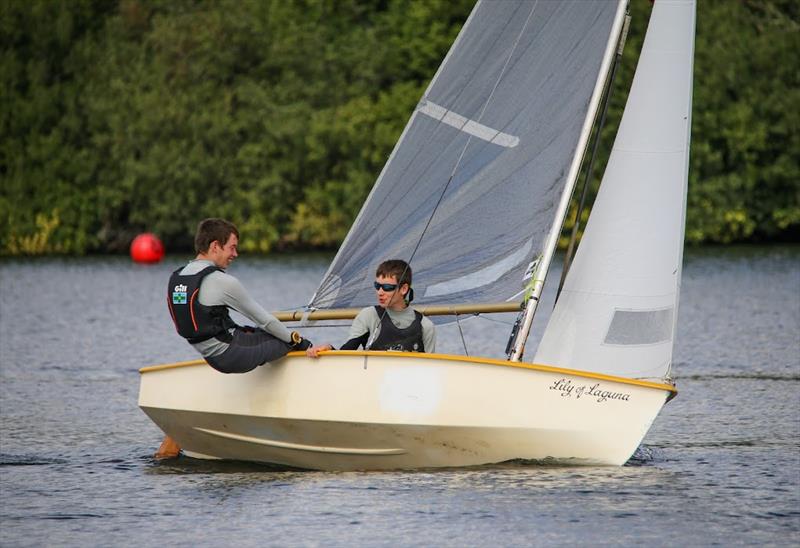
(567, 390)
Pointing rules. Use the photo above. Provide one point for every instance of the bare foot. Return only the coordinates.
(169, 449)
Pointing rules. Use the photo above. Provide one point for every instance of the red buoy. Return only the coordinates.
(147, 248)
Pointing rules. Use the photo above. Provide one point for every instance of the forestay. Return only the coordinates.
(618, 309)
(470, 192)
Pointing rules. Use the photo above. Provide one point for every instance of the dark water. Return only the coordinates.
(720, 466)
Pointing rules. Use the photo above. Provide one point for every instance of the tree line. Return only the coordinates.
(124, 116)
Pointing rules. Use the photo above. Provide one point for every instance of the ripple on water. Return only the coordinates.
(28, 460)
(68, 516)
(719, 467)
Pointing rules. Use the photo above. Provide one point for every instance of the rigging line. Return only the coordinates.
(463, 341)
(477, 315)
(469, 139)
(489, 319)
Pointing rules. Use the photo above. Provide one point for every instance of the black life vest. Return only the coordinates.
(392, 337)
(193, 321)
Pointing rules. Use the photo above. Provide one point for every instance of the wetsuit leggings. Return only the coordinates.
(248, 349)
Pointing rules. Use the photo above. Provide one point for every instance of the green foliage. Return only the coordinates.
(746, 147)
(120, 116)
(744, 176)
(347, 145)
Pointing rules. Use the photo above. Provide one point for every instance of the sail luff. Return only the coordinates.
(680, 240)
(397, 147)
(539, 275)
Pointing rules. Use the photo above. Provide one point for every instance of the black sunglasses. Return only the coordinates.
(386, 287)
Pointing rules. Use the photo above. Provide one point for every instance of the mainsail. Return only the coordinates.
(470, 192)
(618, 309)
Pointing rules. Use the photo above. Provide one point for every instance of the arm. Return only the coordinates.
(314, 351)
(351, 344)
(428, 335)
(354, 343)
(360, 331)
(358, 336)
(363, 325)
(234, 295)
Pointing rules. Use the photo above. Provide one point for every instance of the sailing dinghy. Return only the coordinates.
(474, 196)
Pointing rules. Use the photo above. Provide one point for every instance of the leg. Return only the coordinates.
(248, 350)
(169, 449)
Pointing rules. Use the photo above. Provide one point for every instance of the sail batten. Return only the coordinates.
(474, 128)
(472, 187)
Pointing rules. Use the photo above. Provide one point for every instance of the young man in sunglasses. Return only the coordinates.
(392, 324)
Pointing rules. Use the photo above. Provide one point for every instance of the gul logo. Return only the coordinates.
(179, 294)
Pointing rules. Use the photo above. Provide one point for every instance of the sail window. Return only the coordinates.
(634, 327)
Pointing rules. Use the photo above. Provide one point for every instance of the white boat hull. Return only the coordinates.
(378, 410)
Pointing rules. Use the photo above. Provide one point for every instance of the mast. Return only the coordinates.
(536, 283)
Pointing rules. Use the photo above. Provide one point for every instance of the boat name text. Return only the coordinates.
(568, 390)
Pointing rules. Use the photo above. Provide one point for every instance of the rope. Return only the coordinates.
(488, 319)
(463, 341)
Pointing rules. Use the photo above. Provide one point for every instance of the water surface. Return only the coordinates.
(720, 466)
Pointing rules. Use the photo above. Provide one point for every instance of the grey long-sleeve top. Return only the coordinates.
(368, 321)
(219, 288)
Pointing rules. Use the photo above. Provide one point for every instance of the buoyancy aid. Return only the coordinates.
(392, 337)
(194, 321)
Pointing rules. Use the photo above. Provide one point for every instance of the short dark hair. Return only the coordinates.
(213, 230)
(397, 268)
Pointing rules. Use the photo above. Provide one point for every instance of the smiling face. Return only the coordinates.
(393, 300)
(223, 255)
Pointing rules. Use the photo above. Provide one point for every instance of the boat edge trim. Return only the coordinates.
(450, 357)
